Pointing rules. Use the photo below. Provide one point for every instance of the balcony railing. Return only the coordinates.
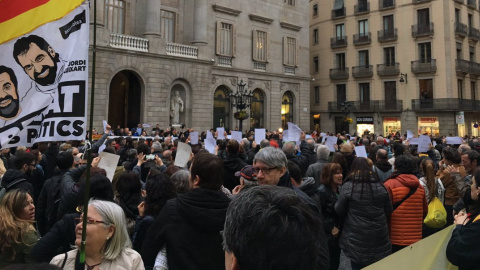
(461, 29)
(474, 69)
(387, 35)
(386, 4)
(129, 43)
(445, 104)
(289, 70)
(459, 1)
(392, 69)
(367, 106)
(362, 8)
(462, 66)
(472, 3)
(390, 105)
(339, 73)
(362, 39)
(421, 30)
(338, 42)
(428, 66)
(224, 61)
(420, 1)
(473, 34)
(260, 66)
(182, 50)
(362, 71)
(338, 13)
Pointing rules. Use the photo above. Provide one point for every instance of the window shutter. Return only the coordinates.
(285, 50)
(296, 52)
(268, 47)
(234, 40)
(254, 45)
(177, 28)
(219, 39)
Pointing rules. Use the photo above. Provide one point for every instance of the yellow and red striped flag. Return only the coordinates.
(18, 17)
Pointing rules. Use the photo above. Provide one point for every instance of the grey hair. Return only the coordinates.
(289, 148)
(264, 143)
(112, 214)
(180, 181)
(156, 146)
(322, 152)
(272, 157)
(463, 148)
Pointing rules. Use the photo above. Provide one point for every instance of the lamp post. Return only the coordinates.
(241, 100)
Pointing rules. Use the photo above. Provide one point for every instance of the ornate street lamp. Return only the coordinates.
(241, 100)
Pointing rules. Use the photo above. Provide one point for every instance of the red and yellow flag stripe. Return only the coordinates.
(18, 17)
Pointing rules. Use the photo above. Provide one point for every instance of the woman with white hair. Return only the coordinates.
(108, 245)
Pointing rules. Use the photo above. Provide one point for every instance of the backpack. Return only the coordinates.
(3, 189)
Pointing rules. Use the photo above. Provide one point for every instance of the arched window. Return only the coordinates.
(287, 109)
(221, 107)
(256, 110)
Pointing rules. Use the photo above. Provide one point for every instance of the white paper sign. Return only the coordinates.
(409, 134)
(454, 140)
(108, 162)
(221, 133)
(104, 122)
(294, 132)
(194, 138)
(331, 141)
(414, 141)
(308, 136)
(183, 154)
(424, 143)
(237, 135)
(209, 135)
(146, 125)
(360, 151)
(210, 144)
(259, 135)
(285, 136)
(324, 136)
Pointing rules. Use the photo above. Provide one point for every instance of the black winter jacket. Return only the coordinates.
(365, 207)
(464, 247)
(232, 164)
(328, 198)
(190, 227)
(11, 176)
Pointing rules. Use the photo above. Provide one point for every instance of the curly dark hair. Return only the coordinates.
(159, 190)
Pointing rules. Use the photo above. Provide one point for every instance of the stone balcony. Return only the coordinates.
(128, 42)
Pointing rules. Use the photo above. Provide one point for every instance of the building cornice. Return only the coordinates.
(259, 18)
(226, 10)
(290, 26)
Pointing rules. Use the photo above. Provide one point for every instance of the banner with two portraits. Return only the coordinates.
(44, 76)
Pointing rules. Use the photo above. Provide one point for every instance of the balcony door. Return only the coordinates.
(391, 94)
(364, 95)
(341, 94)
(423, 20)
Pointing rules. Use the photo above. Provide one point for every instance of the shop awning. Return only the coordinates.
(338, 5)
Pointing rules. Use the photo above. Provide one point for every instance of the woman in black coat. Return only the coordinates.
(331, 179)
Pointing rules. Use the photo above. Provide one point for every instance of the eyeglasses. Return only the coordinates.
(264, 170)
(91, 221)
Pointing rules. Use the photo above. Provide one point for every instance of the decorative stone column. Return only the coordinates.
(200, 22)
(152, 25)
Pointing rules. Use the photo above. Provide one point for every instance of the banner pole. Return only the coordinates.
(89, 150)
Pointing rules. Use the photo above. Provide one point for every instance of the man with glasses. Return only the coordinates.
(17, 178)
(270, 166)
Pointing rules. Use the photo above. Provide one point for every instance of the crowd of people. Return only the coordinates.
(273, 205)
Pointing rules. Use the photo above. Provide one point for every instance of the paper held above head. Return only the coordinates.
(454, 140)
(210, 144)
(194, 138)
(330, 142)
(220, 133)
(423, 144)
(409, 134)
(360, 151)
(183, 155)
(237, 135)
(209, 134)
(259, 135)
(108, 162)
(294, 132)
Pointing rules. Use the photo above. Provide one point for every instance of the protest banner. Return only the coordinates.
(43, 70)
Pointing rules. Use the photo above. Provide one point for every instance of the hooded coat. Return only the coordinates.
(232, 164)
(406, 221)
(190, 227)
(15, 175)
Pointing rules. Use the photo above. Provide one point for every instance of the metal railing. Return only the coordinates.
(473, 34)
(182, 50)
(472, 3)
(390, 105)
(362, 8)
(224, 61)
(367, 106)
(445, 104)
(420, 1)
(474, 69)
(129, 42)
(386, 4)
(338, 13)
(387, 35)
(461, 29)
(338, 42)
(361, 39)
(420, 30)
(339, 73)
(392, 69)
(462, 66)
(362, 71)
(424, 66)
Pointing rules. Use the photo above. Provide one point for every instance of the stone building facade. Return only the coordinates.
(148, 49)
(396, 65)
